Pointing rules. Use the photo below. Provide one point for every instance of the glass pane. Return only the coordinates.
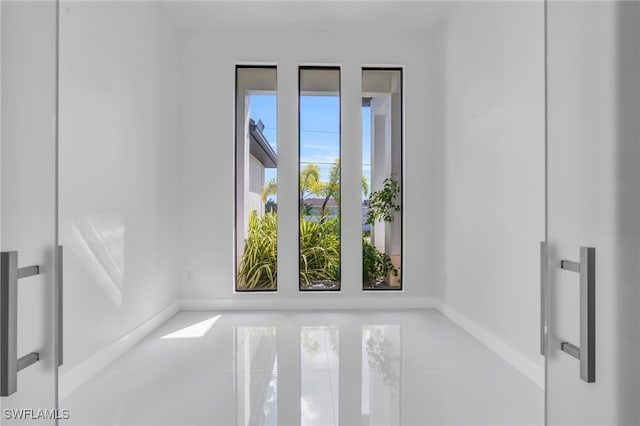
(382, 177)
(319, 174)
(256, 178)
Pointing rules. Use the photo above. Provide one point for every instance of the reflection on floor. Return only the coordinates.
(311, 368)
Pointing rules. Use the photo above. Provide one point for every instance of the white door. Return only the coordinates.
(28, 207)
(593, 190)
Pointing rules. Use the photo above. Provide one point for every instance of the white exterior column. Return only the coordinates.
(380, 159)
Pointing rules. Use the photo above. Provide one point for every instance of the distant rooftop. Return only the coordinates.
(260, 146)
(317, 202)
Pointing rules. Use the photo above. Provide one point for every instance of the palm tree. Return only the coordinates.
(310, 185)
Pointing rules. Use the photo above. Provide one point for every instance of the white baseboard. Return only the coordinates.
(83, 372)
(531, 369)
(264, 304)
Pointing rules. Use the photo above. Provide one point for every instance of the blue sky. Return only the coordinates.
(263, 107)
(319, 130)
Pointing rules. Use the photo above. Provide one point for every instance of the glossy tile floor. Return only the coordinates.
(410, 367)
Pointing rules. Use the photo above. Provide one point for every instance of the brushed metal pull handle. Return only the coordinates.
(586, 353)
(59, 293)
(544, 285)
(10, 364)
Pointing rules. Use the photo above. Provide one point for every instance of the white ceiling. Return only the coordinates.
(309, 15)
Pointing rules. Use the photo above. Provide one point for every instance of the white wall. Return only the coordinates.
(119, 134)
(491, 171)
(207, 218)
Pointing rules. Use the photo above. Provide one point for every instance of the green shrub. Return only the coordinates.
(319, 247)
(375, 265)
(319, 251)
(259, 264)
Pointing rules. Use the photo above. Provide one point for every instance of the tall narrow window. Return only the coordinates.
(319, 175)
(382, 171)
(256, 178)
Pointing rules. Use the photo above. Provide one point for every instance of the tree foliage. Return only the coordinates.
(376, 265)
(311, 185)
(382, 204)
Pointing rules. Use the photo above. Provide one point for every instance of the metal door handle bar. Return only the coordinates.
(28, 271)
(59, 328)
(586, 353)
(9, 362)
(544, 282)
